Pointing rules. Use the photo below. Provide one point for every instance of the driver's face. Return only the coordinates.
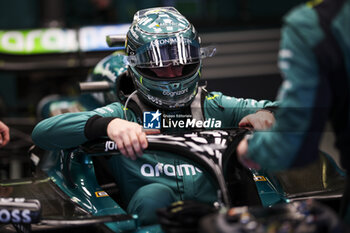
(168, 71)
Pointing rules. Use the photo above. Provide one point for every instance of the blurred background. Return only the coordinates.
(39, 54)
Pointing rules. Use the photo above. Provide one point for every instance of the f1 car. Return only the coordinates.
(71, 190)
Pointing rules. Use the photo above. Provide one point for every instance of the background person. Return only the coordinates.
(315, 63)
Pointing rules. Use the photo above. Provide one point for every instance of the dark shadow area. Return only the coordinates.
(258, 87)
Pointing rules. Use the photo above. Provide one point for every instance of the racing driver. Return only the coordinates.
(164, 60)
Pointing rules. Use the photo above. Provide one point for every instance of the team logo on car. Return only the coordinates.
(259, 178)
(151, 120)
(101, 194)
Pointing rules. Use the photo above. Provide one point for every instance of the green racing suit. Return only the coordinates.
(184, 179)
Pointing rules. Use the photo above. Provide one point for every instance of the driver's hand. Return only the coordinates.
(260, 120)
(4, 134)
(129, 137)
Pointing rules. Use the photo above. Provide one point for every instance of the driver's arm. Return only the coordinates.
(71, 129)
(234, 112)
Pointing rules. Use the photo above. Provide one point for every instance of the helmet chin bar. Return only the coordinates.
(167, 94)
(167, 105)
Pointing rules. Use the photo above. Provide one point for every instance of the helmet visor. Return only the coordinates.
(169, 51)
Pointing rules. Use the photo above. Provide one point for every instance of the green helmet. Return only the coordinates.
(160, 38)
